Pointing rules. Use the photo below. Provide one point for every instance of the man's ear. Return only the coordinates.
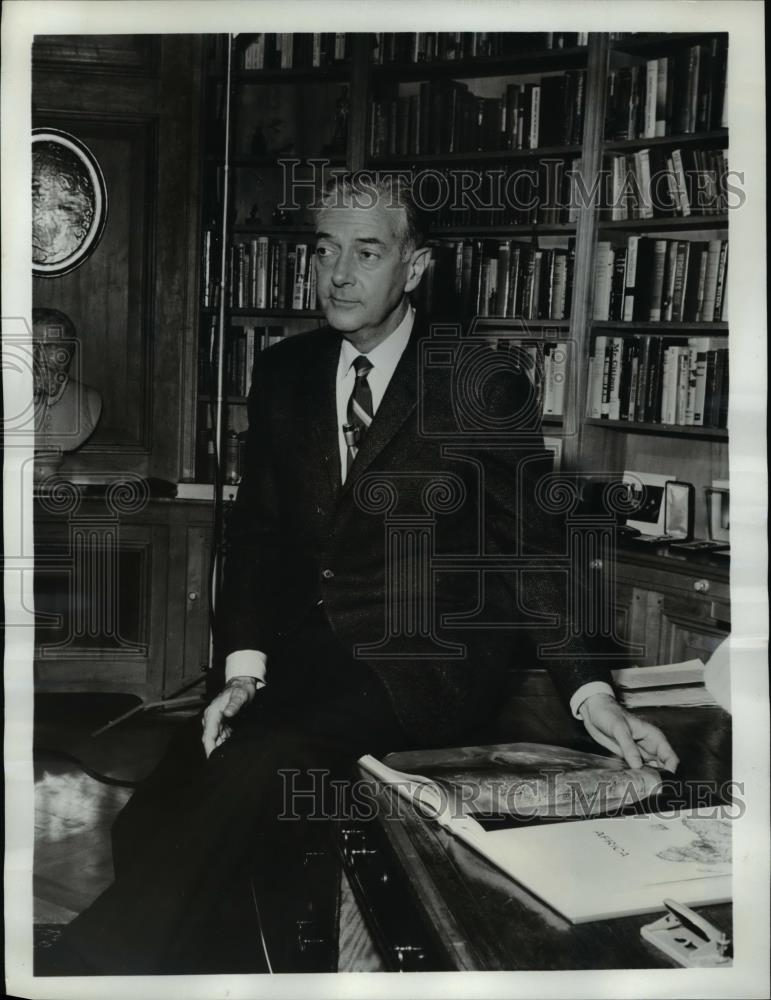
(419, 261)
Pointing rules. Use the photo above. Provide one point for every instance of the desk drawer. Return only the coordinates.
(404, 942)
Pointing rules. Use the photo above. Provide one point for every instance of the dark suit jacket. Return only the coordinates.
(385, 552)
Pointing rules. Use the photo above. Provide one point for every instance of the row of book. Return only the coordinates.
(264, 273)
(296, 50)
(241, 344)
(497, 278)
(655, 380)
(656, 280)
(542, 193)
(445, 116)
(680, 93)
(429, 46)
(654, 183)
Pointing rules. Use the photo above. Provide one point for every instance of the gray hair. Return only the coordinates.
(364, 189)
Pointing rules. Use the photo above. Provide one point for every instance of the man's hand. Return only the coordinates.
(637, 741)
(238, 691)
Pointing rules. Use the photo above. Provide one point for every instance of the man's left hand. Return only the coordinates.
(623, 733)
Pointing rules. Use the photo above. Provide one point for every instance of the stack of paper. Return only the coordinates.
(680, 684)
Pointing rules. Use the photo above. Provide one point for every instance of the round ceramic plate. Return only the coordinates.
(69, 202)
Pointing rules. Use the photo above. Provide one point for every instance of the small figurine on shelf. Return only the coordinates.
(282, 217)
(254, 218)
(339, 142)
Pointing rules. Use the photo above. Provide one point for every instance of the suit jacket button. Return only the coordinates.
(327, 574)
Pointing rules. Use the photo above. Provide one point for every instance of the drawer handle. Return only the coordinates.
(192, 595)
(361, 852)
(415, 953)
(596, 564)
(701, 586)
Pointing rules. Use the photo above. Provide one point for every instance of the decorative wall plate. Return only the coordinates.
(69, 202)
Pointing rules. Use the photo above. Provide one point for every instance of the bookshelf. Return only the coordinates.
(287, 98)
(498, 109)
(656, 325)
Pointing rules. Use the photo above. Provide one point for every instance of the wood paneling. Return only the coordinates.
(107, 297)
(133, 300)
(112, 54)
(149, 636)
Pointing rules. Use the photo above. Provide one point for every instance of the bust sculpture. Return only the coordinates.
(66, 410)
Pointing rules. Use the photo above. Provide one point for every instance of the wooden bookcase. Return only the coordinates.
(384, 80)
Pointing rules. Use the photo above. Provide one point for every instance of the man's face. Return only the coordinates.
(362, 274)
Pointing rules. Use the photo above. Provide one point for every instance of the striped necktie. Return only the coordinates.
(360, 410)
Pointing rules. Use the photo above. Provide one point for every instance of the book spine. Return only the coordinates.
(668, 294)
(700, 348)
(614, 378)
(630, 277)
(651, 91)
(596, 375)
(680, 183)
(634, 380)
(301, 251)
(535, 286)
(655, 380)
(558, 310)
(639, 414)
(707, 311)
(642, 161)
(605, 397)
(535, 115)
(661, 97)
(668, 411)
(692, 94)
(721, 281)
(720, 403)
(681, 270)
(602, 270)
(657, 280)
(681, 397)
(711, 393)
(618, 284)
(262, 272)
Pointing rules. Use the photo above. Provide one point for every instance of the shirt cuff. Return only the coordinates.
(246, 663)
(586, 691)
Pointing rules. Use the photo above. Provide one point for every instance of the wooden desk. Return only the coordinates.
(431, 903)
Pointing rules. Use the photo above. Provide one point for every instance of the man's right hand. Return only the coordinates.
(238, 692)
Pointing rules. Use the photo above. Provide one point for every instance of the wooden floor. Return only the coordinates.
(74, 813)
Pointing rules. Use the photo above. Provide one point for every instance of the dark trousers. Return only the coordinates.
(185, 845)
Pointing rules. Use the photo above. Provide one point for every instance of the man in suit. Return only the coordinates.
(356, 615)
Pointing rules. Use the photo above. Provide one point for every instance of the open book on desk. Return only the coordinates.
(587, 869)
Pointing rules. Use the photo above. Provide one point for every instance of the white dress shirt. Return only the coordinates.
(384, 359)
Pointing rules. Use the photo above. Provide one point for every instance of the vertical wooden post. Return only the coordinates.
(586, 242)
